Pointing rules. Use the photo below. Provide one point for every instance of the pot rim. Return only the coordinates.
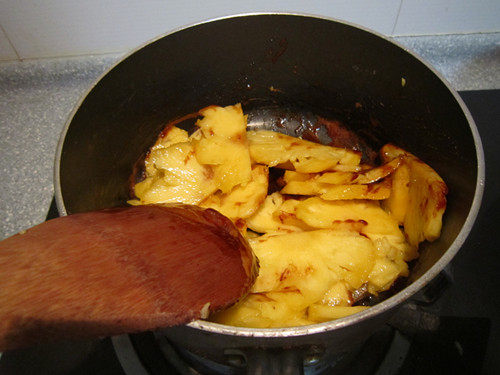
(387, 304)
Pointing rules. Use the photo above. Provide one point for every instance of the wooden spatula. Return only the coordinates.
(118, 271)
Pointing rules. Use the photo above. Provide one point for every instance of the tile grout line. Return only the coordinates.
(10, 43)
(397, 17)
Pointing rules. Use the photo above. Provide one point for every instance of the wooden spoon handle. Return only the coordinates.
(119, 270)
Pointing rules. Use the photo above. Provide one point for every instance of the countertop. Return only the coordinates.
(37, 96)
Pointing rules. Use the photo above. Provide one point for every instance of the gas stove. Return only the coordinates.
(453, 326)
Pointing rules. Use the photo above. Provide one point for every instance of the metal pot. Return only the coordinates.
(317, 65)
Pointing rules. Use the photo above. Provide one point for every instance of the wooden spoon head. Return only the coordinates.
(118, 271)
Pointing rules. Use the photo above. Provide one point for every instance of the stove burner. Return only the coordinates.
(147, 345)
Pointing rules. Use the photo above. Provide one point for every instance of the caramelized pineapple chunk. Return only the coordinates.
(376, 174)
(397, 203)
(426, 205)
(297, 176)
(265, 310)
(426, 200)
(336, 178)
(337, 295)
(224, 146)
(366, 217)
(276, 149)
(170, 136)
(384, 273)
(292, 279)
(174, 175)
(376, 191)
(330, 256)
(269, 217)
(243, 200)
(187, 169)
(226, 122)
(319, 213)
(364, 177)
(330, 192)
(287, 215)
(342, 185)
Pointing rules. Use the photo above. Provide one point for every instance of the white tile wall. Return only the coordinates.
(73, 27)
(6, 50)
(49, 28)
(421, 17)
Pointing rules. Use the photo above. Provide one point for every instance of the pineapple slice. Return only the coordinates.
(364, 177)
(426, 200)
(226, 122)
(397, 203)
(187, 169)
(342, 185)
(337, 295)
(312, 261)
(270, 219)
(174, 175)
(384, 273)
(375, 191)
(280, 150)
(376, 174)
(426, 205)
(169, 136)
(319, 213)
(392, 254)
(265, 310)
(242, 201)
(297, 176)
(336, 178)
(298, 270)
(365, 217)
(224, 146)
(287, 215)
(394, 247)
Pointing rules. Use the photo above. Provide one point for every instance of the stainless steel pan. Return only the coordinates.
(285, 69)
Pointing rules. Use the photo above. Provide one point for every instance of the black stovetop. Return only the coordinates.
(468, 338)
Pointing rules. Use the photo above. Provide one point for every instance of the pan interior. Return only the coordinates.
(284, 82)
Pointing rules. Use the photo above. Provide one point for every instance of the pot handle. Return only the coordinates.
(274, 362)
